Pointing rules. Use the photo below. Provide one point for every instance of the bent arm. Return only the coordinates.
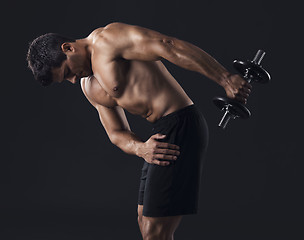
(118, 130)
(113, 120)
(115, 123)
(138, 43)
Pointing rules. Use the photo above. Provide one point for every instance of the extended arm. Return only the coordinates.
(140, 43)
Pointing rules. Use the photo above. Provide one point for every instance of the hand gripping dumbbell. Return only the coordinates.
(251, 71)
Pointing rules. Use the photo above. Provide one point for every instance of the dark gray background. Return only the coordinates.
(61, 178)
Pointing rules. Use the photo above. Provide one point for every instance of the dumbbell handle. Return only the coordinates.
(256, 60)
(225, 119)
(258, 57)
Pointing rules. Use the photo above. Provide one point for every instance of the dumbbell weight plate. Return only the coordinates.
(236, 108)
(255, 72)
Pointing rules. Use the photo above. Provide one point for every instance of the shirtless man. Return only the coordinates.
(119, 67)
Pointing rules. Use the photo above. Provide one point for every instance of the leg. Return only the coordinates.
(139, 219)
(174, 189)
(159, 228)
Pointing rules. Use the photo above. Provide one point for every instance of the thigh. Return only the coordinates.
(174, 189)
(142, 184)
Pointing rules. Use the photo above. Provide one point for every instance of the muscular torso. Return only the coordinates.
(143, 88)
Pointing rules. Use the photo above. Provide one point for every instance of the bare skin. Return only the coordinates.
(120, 69)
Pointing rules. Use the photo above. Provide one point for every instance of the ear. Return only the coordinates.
(67, 47)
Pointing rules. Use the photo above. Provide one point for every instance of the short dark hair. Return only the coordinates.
(45, 53)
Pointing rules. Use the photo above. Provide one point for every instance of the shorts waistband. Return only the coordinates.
(175, 114)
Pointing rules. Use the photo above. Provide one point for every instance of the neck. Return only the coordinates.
(86, 44)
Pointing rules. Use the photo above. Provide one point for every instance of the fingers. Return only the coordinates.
(243, 92)
(240, 99)
(160, 163)
(162, 144)
(246, 90)
(242, 96)
(163, 151)
(165, 156)
(167, 145)
(239, 89)
(158, 159)
(166, 151)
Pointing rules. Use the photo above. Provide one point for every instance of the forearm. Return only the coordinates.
(191, 57)
(152, 151)
(128, 142)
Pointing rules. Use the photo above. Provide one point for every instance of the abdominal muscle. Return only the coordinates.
(149, 91)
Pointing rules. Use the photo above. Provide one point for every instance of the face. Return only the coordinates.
(76, 66)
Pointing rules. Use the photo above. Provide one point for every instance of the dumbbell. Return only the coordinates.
(251, 71)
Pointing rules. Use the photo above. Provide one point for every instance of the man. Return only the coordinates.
(120, 67)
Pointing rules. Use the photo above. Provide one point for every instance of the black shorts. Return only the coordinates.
(174, 189)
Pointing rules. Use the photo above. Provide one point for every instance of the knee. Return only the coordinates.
(147, 230)
(152, 231)
(148, 235)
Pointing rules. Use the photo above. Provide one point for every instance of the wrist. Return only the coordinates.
(138, 149)
(224, 79)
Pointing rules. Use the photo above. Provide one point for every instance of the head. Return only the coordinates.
(54, 58)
